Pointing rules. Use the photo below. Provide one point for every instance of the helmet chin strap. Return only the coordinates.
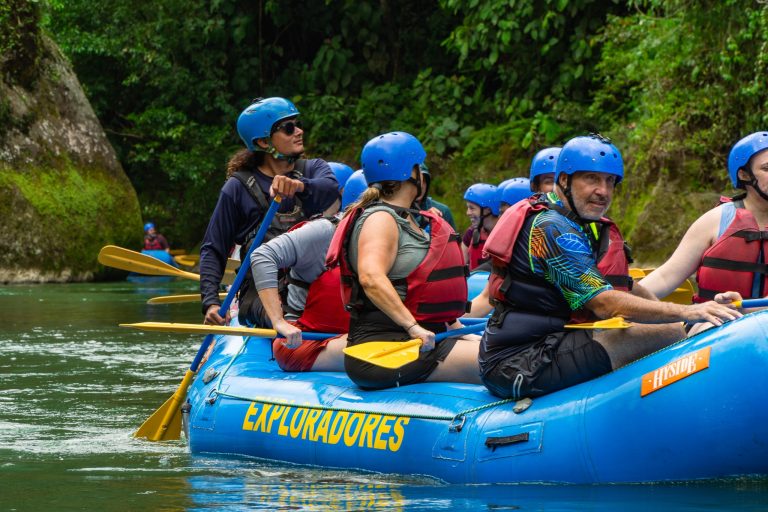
(416, 183)
(569, 196)
(753, 183)
(271, 150)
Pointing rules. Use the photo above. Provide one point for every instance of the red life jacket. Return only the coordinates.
(733, 261)
(436, 288)
(612, 256)
(152, 244)
(323, 309)
(476, 251)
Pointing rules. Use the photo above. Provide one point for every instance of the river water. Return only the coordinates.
(74, 386)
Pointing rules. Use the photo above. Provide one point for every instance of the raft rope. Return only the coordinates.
(457, 420)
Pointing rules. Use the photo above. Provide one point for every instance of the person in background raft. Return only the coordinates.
(425, 202)
(313, 302)
(154, 241)
(511, 191)
(398, 282)
(270, 165)
(727, 247)
(483, 213)
(508, 193)
(542, 175)
(342, 173)
(549, 269)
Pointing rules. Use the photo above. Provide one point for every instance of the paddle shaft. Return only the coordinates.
(469, 329)
(244, 269)
(752, 303)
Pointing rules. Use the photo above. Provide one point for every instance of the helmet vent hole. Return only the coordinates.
(602, 153)
(381, 162)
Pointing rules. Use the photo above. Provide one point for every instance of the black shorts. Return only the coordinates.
(558, 361)
(251, 311)
(370, 376)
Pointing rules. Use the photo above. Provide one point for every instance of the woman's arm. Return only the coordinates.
(686, 258)
(377, 251)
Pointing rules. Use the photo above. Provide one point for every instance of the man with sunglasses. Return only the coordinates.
(269, 165)
(552, 257)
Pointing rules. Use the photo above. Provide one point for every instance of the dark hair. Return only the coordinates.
(244, 160)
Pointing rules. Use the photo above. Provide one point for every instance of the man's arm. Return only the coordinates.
(612, 303)
(320, 187)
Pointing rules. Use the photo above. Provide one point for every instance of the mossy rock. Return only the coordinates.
(63, 193)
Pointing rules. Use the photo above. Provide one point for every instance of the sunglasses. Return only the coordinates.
(289, 127)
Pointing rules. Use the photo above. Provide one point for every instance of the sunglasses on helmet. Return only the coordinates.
(289, 127)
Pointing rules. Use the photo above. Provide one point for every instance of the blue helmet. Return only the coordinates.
(256, 121)
(590, 153)
(342, 172)
(543, 162)
(391, 157)
(742, 151)
(483, 195)
(513, 190)
(354, 188)
(148, 226)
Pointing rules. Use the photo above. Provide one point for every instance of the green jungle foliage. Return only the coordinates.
(483, 83)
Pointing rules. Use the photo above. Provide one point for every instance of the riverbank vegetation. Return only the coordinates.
(483, 83)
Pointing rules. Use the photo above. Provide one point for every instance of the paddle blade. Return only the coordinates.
(132, 261)
(202, 329)
(165, 422)
(174, 299)
(153, 428)
(609, 323)
(387, 354)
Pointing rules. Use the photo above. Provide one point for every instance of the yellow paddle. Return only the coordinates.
(174, 299)
(220, 329)
(394, 354)
(126, 259)
(165, 422)
(609, 323)
(132, 261)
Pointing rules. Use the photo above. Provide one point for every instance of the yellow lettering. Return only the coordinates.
(399, 431)
(322, 428)
(309, 425)
(282, 428)
(252, 409)
(337, 427)
(384, 428)
(296, 429)
(261, 423)
(351, 437)
(276, 413)
(366, 436)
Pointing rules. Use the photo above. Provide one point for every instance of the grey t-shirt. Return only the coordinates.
(412, 247)
(302, 250)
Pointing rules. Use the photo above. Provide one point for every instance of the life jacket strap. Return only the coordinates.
(738, 266)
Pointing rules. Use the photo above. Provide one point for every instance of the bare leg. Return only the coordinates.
(332, 358)
(461, 364)
(627, 345)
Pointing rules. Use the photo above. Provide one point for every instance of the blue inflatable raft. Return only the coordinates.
(144, 279)
(694, 410)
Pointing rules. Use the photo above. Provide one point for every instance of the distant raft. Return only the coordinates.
(694, 410)
(163, 256)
